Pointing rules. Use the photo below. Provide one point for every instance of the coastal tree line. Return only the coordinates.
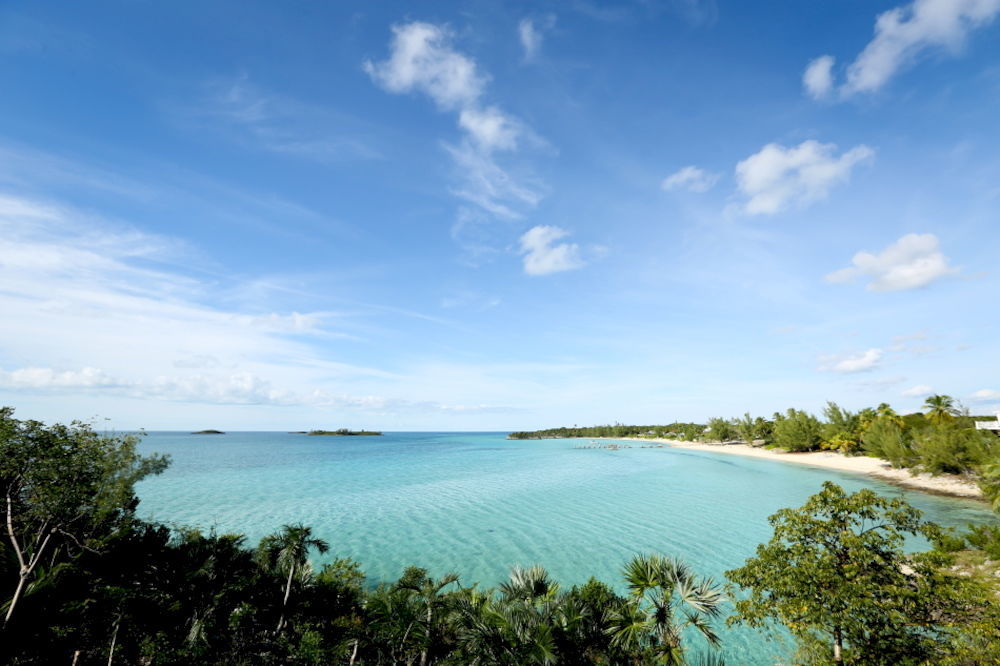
(942, 439)
(84, 581)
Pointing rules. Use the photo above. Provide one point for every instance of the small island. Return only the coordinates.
(344, 432)
(208, 432)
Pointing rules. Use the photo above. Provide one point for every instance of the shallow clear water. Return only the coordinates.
(477, 503)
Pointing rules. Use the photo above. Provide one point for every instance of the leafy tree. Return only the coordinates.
(747, 428)
(835, 572)
(65, 490)
(885, 438)
(660, 587)
(721, 430)
(798, 431)
(286, 552)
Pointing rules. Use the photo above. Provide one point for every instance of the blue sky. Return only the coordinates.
(480, 215)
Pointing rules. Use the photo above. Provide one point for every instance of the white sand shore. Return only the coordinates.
(943, 484)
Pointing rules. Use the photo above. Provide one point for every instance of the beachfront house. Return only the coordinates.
(990, 425)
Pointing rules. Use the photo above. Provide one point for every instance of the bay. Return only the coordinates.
(478, 503)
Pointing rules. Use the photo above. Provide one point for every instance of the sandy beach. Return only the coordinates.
(943, 484)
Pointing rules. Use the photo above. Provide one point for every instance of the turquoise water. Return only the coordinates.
(477, 503)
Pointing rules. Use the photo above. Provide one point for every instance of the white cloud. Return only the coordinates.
(904, 33)
(423, 60)
(850, 363)
(45, 378)
(918, 391)
(543, 256)
(531, 33)
(986, 395)
(818, 77)
(490, 128)
(531, 38)
(913, 261)
(777, 177)
(690, 178)
(487, 185)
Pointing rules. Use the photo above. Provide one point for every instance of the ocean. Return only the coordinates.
(477, 503)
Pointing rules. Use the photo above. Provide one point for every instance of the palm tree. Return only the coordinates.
(940, 408)
(428, 592)
(660, 587)
(286, 551)
(517, 628)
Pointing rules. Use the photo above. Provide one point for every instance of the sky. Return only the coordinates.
(495, 216)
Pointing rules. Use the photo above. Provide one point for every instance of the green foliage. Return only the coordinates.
(721, 430)
(885, 438)
(660, 588)
(842, 431)
(940, 409)
(950, 448)
(66, 490)
(985, 538)
(798, 431)
(344, 432)
(835, 572)
(686, 431)
(989, 480)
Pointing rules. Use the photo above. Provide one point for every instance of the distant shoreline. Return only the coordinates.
(944, 484)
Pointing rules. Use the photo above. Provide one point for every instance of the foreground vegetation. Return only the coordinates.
(941, 440)
(85, 582)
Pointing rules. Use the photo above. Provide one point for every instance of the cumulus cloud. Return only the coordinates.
(918, 391)
(423, 60)
(986, 395)
(902, 35)
(690, 178)
(542, 255)
(913, 261)
(850, 363)
(776, 177)
(818, 77)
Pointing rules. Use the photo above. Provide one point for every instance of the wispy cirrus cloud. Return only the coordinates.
(913, 261)
(777, 178)
(531, 33)
(244, 112)
(423, 59)
(902, 35)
